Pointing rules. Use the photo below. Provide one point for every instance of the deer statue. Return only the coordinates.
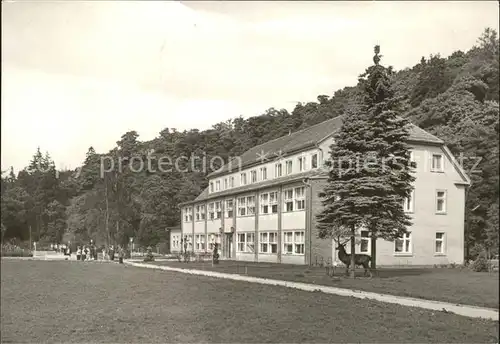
(360, 259)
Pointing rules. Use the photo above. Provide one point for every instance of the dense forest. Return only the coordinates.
(454, 97)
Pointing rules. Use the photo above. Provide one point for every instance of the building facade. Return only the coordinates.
(262, 206)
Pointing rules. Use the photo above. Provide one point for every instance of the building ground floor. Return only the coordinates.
(424, 248)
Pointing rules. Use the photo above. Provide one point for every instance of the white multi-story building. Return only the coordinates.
(262, 206)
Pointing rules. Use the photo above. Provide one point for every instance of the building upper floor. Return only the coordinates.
(304, 150)
(290, 159)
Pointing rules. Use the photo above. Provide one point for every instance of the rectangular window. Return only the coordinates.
(217, 185)
(211, 186)
(253, 176)
(243, 179)
(293, 242)
(246, 242)
(302, 163)
(277, 170)
(218, 210)
(294, 199)
(273, 202)
(231, 182)
(268, 242)
(263, 173)
(211, 211)
(199, 242)
(242, 208)
(300, 202)
(403, 245)
(226, 184)
(264, 203)
(408, 204)
(198, 213)
(440, 248)
(365, 242)
(441, 202)
(250, 205)
(289, 167)
(188, 214)
(314, 161)
(288, 242)
(241, 242)
(229, 208)
(437, 163)
(288, 200)
(269, 203)
(298, 241)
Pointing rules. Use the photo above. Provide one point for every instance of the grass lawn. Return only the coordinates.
(60, 301)
(450, 285)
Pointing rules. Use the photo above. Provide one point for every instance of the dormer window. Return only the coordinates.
(243, 179)
(277, 170)
(314, 161)
(211, 186)
(253, 176)
(302, 163)
(263, 173)
(289, 167)
(217, 185)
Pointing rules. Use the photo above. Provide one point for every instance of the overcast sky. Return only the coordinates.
(76, 74)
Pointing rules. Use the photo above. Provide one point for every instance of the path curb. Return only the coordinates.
(464, 310)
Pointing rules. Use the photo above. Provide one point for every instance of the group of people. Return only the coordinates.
(86, 252)
(89, 252)
(61, 248)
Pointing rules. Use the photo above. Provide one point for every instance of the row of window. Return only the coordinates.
(261, 174)
(440, 203)
(176, 241)
(404, 245)
(437, 165)
(199, 241)
(293, 242)
(293, 199)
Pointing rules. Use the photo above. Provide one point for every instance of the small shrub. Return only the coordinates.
(480, 264)
(149, 255)
(21, 253)
(11, 250)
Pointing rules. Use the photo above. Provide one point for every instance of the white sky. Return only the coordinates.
(76, 74)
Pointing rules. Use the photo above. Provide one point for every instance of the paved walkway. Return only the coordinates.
(468, 311)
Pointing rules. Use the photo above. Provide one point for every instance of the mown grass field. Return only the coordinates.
(62, 301)
(449, 285)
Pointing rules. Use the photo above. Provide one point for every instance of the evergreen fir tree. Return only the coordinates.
(369, 176)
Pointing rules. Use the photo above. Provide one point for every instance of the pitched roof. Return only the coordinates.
(204, 196)
(304, 139)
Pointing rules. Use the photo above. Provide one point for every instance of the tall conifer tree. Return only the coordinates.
(369, 164)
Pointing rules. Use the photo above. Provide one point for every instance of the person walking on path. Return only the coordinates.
(120, 255)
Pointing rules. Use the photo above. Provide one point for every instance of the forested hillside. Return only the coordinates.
(454, 97)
